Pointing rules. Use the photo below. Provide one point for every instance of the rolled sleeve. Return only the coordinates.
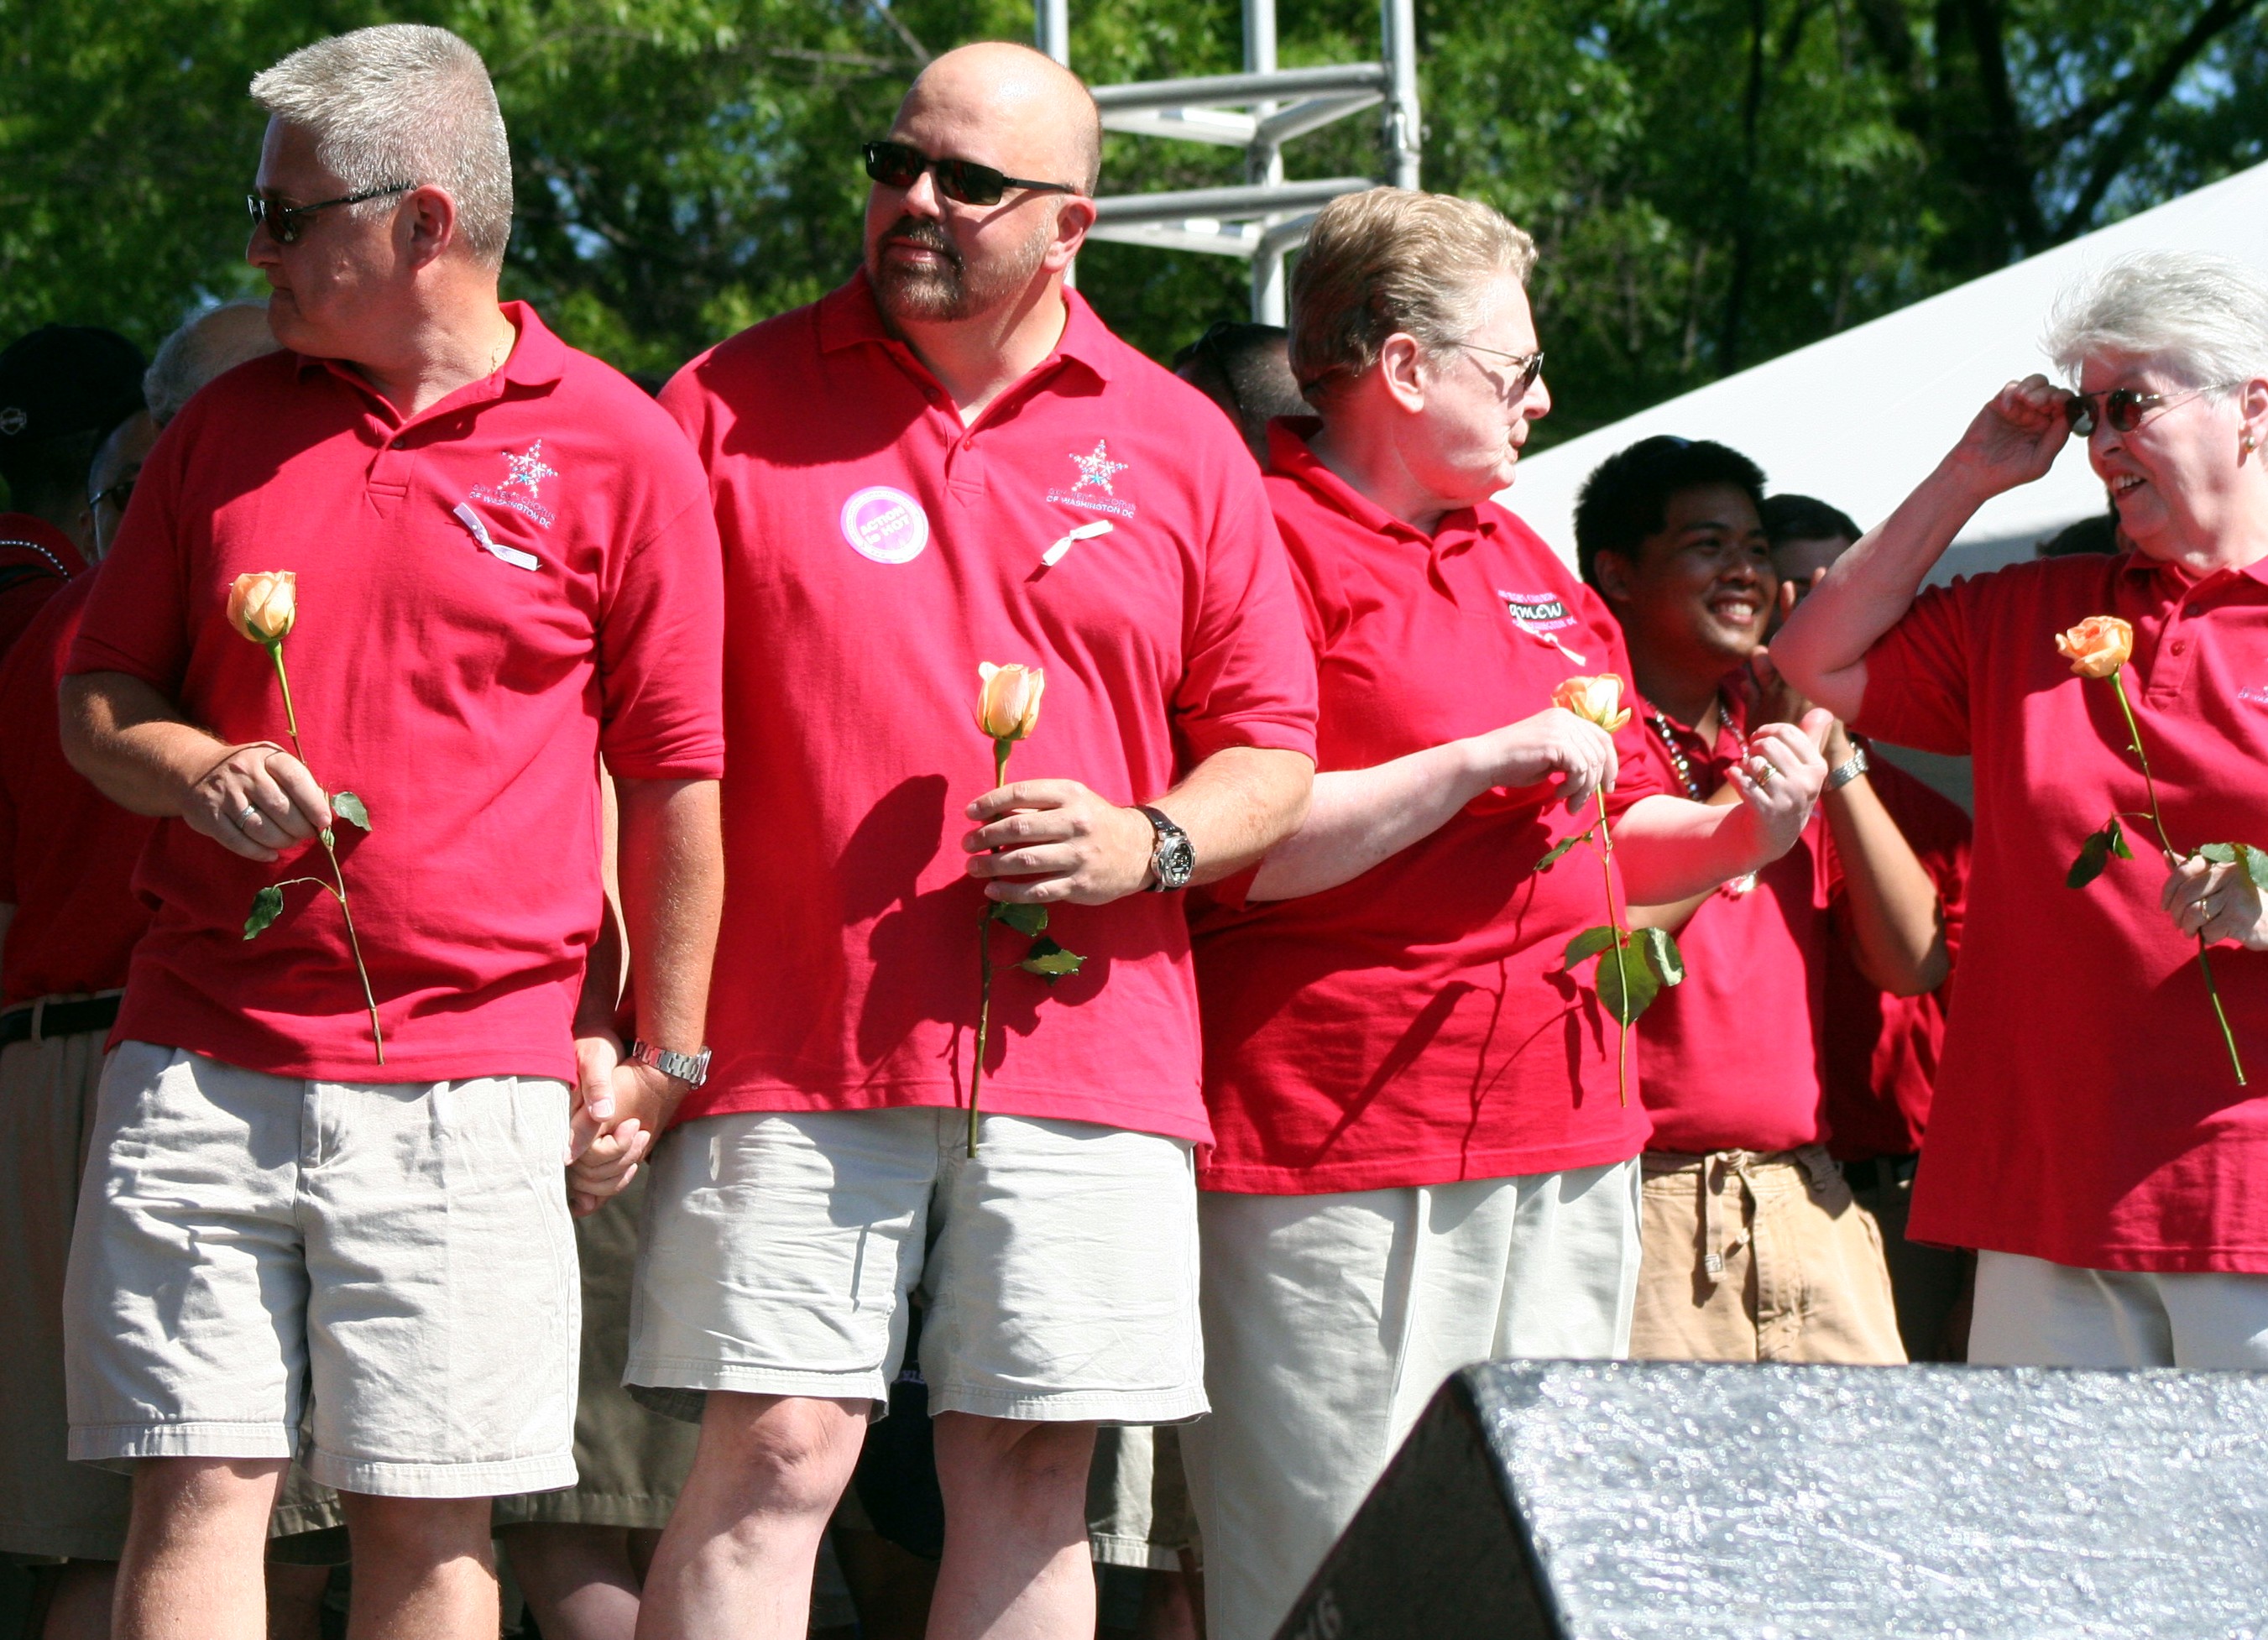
(1917, 674)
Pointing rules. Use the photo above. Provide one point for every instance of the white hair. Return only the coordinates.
(402, 103)
(213, 343)
(2204, 317)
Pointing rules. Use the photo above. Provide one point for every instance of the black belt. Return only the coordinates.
(62, 1019)
(1881, 1173)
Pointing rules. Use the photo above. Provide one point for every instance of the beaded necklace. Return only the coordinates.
(1659, 722)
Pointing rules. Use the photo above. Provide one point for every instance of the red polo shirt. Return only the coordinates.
(877, 550)
(1731, 1058)
(66, 852)
(1883, 1051)
(491, 594)
(2086, 1112)
(36, 558)
(1415, 1026)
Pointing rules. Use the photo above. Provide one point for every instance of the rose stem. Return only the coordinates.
(291, 721)
(2174, 855)
(1000, 750)
(1614, 921)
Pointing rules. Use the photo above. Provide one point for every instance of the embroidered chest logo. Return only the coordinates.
(1541, 615)
(522, 489)
(1093, 488)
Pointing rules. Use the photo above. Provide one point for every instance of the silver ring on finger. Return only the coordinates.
(250, 814)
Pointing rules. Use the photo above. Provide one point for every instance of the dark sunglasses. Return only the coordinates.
(894, 165)
(2122, 407)
(283, 223)
(120, 493)
(1531, 367)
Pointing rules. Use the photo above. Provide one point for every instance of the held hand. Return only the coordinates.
(2216, 902)
(1782, 798)
(256, 802)
(2016, 437)
(1064, 842)
(605, 1170)
(1780, 702)
(1554, 741)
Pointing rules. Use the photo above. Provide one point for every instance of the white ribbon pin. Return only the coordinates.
(511, 555)
(1085, 532)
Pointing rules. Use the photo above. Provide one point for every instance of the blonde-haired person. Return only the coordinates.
(1422, 1156)
(2088, 1135)
(277, 1220)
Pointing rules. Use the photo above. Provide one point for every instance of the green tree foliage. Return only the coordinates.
(1712, 182)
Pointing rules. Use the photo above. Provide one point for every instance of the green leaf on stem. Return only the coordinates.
(1559, 852)
(350, 808)
(1589, 943)
(2095, 854)
(1627, 987)
(1028, 920)
(1661, 951)
(2254, 860)
(1049, 961)
(267, 906)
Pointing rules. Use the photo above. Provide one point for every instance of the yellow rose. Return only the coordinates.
(1594, 700)
(1008, 704)
(263, 606)
(2097, 646)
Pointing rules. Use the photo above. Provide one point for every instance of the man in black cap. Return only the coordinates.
(63, 388)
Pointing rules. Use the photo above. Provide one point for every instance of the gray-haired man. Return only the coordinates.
(506, 566)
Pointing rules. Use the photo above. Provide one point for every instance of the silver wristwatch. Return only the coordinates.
(1848, 772)
(690, 1068)
(1173, 858)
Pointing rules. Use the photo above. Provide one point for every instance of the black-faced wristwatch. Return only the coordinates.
(1174, 858)
(690, 1068)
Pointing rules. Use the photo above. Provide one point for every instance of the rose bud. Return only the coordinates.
(263, 606)
(1594, 700)
(2097, 646)
(1008, 705)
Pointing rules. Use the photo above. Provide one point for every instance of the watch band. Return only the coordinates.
(690, 1068)
(1848, 772)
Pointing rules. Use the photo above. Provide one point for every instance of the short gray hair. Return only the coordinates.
(402, 103)
(208, 345)
(1393, 259)
(2206, 317)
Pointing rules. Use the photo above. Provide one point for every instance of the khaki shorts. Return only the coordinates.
(630, 1462)
(1798, 1273)
(1330, 1322)
(1059, 1268)
(395, 1259)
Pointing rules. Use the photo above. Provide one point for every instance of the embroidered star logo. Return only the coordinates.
(1095, 468)
(527, 472)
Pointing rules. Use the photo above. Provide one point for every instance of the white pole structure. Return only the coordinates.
(1263, 161)
(1053, 21)
(1403, 130)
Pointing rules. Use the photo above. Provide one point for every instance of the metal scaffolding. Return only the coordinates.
(1258, 111)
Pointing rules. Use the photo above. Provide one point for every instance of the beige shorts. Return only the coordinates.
(2030, 1312)
(630, 1462)
(1799, 1273)
(1057, 1270)
(1330, 1322)
(395, 1259)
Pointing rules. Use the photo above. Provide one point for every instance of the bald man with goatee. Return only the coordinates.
(950, 465)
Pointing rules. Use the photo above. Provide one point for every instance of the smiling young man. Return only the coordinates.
(506, 566)
(1753, 1247)
(950, 461)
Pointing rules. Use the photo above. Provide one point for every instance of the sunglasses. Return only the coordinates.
(1531, 367)
(285, 222)
(2122, 407)
(964, 181)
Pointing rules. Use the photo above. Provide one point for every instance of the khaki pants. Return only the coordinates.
(1751, 1257)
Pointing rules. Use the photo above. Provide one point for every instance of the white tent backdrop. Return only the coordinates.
(1861, 418)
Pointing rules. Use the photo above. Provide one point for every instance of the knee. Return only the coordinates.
(417, 1531)
(781, 1454)
(199, 1497)
(1039, 1465)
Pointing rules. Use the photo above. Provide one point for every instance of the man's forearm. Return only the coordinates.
(130, 743)
(672, 887)
(1237, 804)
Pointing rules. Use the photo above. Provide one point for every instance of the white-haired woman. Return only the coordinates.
(1422, 1153)
(2090, 1135)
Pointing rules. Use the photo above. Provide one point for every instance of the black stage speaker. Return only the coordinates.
(1630, 1501)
